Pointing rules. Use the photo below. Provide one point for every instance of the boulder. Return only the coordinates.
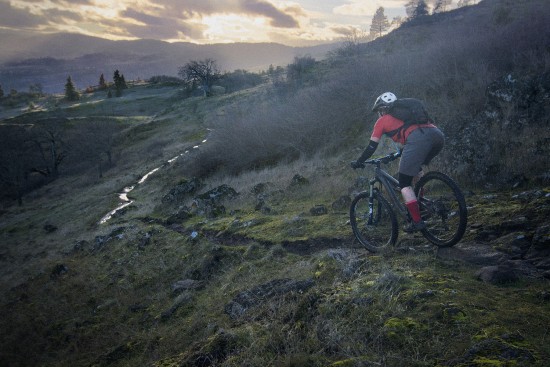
(209, 203)
(216, 195)
(179, 193)
(58, 271)
(298, 180)
(318, 210)
(342, 203)
(182, 214)
(496, 352)
(473, 253)
(497, 274)
(516, 105)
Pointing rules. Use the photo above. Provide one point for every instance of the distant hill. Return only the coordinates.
(28, 58)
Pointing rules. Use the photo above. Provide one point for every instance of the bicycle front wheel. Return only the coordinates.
(443, 209)
(373, 221)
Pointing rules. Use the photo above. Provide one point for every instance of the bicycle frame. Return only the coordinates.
(392, 188)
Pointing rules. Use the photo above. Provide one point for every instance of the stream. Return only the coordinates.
(123, 196)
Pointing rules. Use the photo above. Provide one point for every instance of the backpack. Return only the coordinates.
(409, 110)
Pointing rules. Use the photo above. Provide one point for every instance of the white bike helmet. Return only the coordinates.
(384, 100)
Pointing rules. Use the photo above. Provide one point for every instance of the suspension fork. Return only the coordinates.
(372, 182)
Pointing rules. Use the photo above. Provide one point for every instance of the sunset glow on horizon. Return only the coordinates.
(294, 23)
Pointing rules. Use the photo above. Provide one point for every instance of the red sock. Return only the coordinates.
(414, 210)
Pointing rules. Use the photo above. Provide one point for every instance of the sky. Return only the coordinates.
(294, 22)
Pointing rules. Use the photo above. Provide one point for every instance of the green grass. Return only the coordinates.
(101, 295)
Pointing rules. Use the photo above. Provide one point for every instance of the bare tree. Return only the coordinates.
(48, 137)
(351, 45)
(200, 74)
(379, 23)
(397, 21)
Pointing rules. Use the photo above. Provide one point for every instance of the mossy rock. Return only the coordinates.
(493, 352)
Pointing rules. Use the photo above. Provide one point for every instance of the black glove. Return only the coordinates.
(357, 164)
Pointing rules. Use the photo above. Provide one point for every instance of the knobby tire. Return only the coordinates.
(443, 209)
(377, 231)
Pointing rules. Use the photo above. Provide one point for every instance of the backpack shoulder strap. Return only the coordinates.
(409, 110)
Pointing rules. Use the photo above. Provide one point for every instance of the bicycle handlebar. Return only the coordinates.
(385, 159)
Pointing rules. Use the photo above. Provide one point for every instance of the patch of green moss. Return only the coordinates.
(488, 362)
(326, 270)
(397, 324)
(292, 224)
(344, 363)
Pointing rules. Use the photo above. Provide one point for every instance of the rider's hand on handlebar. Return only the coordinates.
(356, 164)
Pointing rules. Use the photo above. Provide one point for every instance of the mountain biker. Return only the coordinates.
(421, 143)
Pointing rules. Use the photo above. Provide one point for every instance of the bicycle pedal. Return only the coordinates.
(415, 227)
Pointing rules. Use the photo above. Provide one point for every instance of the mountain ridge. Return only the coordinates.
(85, 58)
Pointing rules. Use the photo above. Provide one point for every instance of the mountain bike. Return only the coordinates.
(373, 214)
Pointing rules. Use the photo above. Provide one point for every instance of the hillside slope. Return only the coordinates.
(269, 274)
(259, 285)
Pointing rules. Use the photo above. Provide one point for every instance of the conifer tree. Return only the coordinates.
(123, 84)
(116, 80)
(102, 83)
(120, 83)
(70, 91)
(379, 23)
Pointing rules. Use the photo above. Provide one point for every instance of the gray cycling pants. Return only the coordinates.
(422, 146)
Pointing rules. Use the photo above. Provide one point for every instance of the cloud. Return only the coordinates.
(65, 2)
(278, 17)
(203, 21)
(144, 18)
(18, 17)
(357, 8)
(366, 8)
(159, 27)
(345, 31)
(193, 8)
(193, 20)
(59, 15)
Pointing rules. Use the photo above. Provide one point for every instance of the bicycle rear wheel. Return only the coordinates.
(373, 221)
(443, 209)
